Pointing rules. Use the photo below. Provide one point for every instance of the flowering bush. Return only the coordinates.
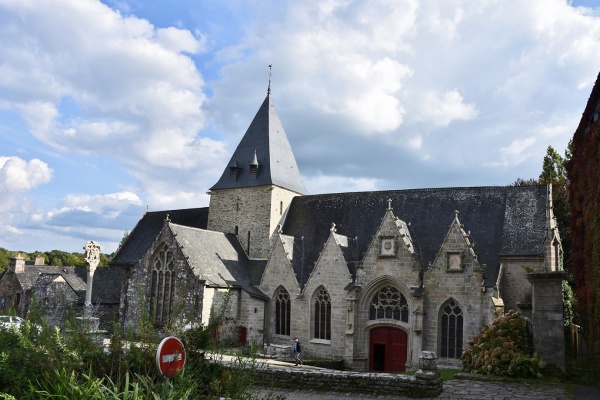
(503, 348)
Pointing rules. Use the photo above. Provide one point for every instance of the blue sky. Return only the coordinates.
(111, 108)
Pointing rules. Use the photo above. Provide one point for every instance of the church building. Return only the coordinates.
(370, 278)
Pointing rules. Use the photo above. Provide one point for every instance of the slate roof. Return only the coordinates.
(266, 138)
(502, 221)
(217, 258)
(149, 226)
(106, 285)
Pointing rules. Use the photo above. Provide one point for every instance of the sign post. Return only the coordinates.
(170, 357)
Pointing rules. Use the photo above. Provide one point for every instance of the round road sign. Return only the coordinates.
(170, 356)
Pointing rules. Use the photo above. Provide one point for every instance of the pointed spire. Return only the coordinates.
(277, 164)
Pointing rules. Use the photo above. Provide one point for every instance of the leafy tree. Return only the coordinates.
(554, 171)
(4, 257)
(525, 182)
(57, 262)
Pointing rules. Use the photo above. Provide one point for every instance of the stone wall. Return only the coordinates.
(515, 288)
(548, 315)
(423, 384)
(254, 211)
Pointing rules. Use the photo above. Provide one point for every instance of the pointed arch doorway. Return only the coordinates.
(387, 349)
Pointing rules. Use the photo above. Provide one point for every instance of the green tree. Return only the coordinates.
(525, 182)
(4, 257)
(554, 171)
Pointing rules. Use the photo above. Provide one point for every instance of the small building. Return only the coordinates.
(54, 289)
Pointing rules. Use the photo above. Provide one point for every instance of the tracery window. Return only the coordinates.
(283, 307)
(452, 331)
(389, 303)
(322, 315)
(163, 285)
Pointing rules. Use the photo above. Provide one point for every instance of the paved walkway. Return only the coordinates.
(455, 389)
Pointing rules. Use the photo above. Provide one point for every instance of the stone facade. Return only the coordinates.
(250, 213)
(188, 292)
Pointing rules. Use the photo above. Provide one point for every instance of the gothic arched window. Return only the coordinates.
(389, 303)
(163, 285)
(322, 315)
(452, 330)
(283, 307)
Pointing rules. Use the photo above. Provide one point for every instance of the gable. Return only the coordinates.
(148, 228)
(217, 258)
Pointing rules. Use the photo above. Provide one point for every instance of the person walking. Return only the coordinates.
(297, 351)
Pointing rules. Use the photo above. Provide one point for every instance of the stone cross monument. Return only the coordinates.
(92, 256)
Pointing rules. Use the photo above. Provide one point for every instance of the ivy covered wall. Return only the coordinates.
(584, 193)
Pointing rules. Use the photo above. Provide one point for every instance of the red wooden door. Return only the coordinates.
(388, 348)
(242, 336)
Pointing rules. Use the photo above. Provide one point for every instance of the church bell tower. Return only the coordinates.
(257, 185)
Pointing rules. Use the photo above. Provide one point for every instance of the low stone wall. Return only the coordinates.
(423, 384)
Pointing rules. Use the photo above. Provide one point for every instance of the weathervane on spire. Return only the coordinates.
(269, 88)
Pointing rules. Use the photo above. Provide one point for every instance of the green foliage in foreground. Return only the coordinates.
(46, 363)
(503, 348)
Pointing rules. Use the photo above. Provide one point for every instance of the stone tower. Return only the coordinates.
(257, 185)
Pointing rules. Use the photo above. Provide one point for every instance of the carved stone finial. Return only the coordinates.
(333, 227)
(168, 219)
(92, 253)
(456, 214)
(389, 204)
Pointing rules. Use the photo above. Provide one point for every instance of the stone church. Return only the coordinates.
(370, 278)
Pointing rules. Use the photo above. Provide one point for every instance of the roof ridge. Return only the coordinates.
(422, 190)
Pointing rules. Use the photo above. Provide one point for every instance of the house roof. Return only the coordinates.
(506, 220)
(264, 142)
(217, 258)
(106, 287)
(149, 226)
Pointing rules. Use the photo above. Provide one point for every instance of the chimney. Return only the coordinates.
(39, 260)
(17, 264)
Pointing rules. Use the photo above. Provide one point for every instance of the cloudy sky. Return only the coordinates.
(108, 108)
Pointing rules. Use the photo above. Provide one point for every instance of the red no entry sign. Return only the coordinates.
(170, 356)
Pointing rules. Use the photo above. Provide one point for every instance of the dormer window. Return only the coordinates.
(234, 168)
(254, 165)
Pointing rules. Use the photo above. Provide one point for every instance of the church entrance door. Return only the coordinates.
(387, 350)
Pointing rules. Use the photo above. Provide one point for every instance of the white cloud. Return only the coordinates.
(515, 153)
(440, 109)
(18, 176)
(448, 92)
(109, 205)
(127, 79)
(333, 184)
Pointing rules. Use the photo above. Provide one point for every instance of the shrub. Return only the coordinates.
(503, 348)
